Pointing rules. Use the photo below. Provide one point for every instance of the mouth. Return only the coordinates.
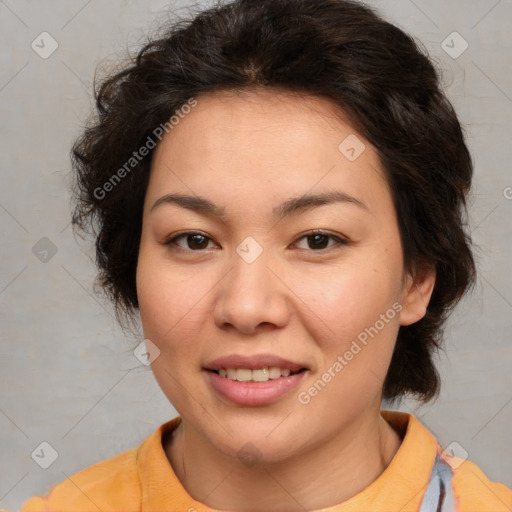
(257, 380)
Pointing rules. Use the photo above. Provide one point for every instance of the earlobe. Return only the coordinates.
(417, 292)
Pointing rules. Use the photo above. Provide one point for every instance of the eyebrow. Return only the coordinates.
(288, 208)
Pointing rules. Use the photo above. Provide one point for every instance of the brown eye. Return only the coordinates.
(194, 241)
(319, 240)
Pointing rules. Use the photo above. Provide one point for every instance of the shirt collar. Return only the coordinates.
(400, 487)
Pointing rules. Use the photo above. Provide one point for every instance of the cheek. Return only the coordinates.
(355, 324)
(348, 299)
(355, 330)
(169, 301)
(169, 307)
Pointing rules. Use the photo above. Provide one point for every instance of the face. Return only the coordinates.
(242, 271)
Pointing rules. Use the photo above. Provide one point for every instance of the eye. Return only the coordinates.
(195, 240)
(318, 240)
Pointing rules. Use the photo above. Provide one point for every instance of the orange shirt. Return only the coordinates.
(141, 479)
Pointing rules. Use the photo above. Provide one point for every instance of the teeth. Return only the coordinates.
(259, 375)
(274, 372)
(243, 375)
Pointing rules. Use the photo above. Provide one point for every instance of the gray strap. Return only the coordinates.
(439, 495)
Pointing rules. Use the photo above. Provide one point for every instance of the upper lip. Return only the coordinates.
(253, 362)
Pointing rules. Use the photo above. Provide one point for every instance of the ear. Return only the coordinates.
(416, 294)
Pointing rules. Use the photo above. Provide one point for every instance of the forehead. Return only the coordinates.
(261, 111)
(272, 142)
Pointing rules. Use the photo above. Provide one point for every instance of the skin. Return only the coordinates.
(249, 152)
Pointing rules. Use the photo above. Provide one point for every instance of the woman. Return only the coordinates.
(279, 191)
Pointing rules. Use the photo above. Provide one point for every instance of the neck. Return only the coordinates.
(321, 477)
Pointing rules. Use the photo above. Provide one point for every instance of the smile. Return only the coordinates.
(253, 380)
(252, 392)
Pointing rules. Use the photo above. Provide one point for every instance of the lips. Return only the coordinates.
(253, 381)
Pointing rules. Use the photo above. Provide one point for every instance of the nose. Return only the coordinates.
(252, 297)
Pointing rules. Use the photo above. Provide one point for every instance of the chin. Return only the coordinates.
(259, 450)
(253, 440)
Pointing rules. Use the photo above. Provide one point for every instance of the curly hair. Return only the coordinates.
(341, 50)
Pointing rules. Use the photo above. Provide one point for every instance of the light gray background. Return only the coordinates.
(68, 376)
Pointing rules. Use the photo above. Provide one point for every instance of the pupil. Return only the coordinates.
(317, 239)
(194, 240)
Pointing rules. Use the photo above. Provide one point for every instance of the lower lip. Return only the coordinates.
(254, 393)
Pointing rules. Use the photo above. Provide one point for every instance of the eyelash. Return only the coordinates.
(340, 241)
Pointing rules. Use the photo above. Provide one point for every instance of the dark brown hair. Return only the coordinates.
(337, 49)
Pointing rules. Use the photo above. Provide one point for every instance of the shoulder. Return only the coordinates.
(121, 482)
(474, 491)
(110, 483)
